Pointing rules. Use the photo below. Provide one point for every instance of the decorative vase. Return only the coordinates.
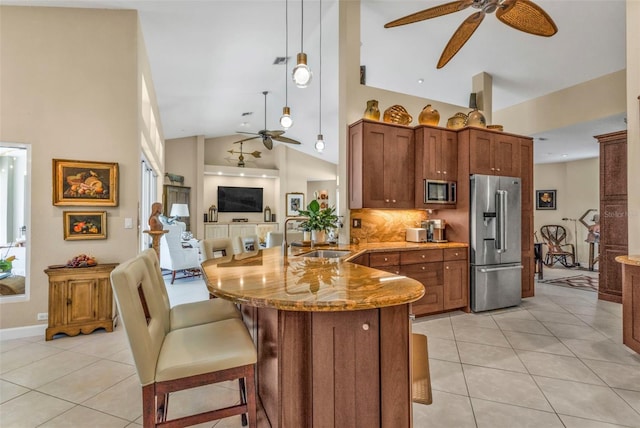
(397, 114)
(429, 116)
(372, 112)
(475, 118)
(306, 236)
(318, 236)
(267, 214)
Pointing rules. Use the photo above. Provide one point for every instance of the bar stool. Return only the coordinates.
(168, 361)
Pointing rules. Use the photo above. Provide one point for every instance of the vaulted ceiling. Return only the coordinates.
(211, 61)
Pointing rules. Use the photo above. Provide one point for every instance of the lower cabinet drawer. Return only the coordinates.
(420, 256)
(391, 269)
(384, 259)
(432, 301)
(455, 254)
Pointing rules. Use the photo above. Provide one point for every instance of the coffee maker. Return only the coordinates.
(435, 230)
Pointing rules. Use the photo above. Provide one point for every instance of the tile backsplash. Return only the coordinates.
(384, 225)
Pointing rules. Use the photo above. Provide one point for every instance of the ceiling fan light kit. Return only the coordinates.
(523, 15)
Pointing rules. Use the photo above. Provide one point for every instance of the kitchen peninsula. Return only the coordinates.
(333, 337)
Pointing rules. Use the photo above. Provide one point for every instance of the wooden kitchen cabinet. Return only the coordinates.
(493, 153)
(80, 300)
(613, 213)
(455, 278)
(631, 305)
(526, 217)
(436, 159)
(381, 165)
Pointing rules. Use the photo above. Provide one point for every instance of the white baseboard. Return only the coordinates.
(20, 332)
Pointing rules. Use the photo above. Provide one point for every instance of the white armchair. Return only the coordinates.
(175, 256)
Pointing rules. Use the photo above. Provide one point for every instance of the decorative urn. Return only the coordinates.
(429, 116)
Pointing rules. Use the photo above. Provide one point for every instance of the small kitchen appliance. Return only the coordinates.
(416, 234)
(439, 192)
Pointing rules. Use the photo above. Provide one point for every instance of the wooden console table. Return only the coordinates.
(80, 300)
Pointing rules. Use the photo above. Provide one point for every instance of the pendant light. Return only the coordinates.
(301, 73)
(286, 121)
(320, 142)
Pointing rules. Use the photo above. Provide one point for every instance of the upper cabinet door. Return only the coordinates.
(494, 153)
(381, 166)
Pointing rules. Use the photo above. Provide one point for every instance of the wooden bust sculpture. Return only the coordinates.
(154, 218)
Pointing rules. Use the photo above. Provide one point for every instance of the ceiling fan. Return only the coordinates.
(523, 15)
(241, 153)
(266, 135)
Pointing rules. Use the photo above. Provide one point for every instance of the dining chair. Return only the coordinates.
(189, 314)
(168, 361)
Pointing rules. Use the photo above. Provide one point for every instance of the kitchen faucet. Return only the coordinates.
(285, 245)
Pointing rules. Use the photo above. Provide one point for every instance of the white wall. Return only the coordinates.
(633, 123)
(577, 185)
(70, 89)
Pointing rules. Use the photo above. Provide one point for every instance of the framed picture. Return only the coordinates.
(545, 199)
(85, 183)
(295, 202)
(85, 225)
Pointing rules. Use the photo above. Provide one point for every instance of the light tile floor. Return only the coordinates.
(557, 360)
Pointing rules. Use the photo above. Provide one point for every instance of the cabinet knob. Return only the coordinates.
(423, 268)
(438, 172)
(497, 169)
(365, 326)
(444, 172)
(423, 256)
(447, 267)
(386, 200)
(386, 259)
(493, 169)
(394, 201)
(456, 254)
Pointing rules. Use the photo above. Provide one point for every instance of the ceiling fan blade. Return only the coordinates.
(268, 143)
(255, 154)
(460, 37)
(274, 133)
(524, 15)
(432, 12)
(243, 132)
(286, 140)
(246, 139)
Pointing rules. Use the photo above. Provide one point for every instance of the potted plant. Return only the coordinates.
(319, 220)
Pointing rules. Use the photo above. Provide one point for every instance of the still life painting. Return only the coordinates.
(85, 225)
(85, 183)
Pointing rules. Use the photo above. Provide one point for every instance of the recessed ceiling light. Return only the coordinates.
(564, 155)
(421, 80)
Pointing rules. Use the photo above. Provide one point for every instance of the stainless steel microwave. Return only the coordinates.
(439, 192)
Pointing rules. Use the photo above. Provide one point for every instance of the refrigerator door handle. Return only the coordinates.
(485, 270)
(501, 214)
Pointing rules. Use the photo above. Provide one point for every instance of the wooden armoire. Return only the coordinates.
(613, 213)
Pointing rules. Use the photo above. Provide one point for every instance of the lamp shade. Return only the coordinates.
(179, 210)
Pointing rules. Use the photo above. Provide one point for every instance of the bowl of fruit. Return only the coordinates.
(82, 260)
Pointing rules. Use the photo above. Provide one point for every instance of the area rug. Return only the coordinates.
(582, 282)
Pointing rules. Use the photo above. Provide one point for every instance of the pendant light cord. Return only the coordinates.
(301, 25)
(286, 52)
(320, 72)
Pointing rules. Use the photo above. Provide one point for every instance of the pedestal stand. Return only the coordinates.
(155, 239)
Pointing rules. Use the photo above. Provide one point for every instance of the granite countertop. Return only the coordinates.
(629, 260)
(298, 283)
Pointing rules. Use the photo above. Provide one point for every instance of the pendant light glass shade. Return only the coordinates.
(319, 144)
(301, 73)
(285, 120)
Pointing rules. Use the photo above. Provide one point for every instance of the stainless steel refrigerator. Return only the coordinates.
(495, 252)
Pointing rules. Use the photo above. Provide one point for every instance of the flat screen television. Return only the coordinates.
(239, 199)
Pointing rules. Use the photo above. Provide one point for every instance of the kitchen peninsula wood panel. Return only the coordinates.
(526, 219)
(381, 165)
(630, 301)
(613, 213)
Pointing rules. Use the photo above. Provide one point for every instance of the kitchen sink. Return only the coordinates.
(329, 254)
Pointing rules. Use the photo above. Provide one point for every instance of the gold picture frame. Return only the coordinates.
(81, 225)
(294, 203)
(85, 183)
